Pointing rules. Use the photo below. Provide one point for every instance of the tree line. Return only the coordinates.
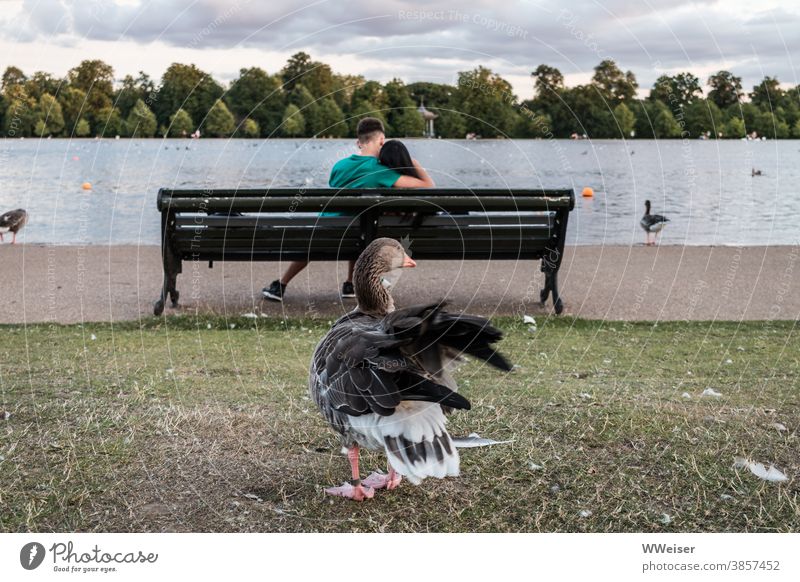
(307, 98)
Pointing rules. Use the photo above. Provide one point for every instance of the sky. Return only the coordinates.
(414, 41)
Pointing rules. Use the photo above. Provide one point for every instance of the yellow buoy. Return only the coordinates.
(587, 192)
(86, 186)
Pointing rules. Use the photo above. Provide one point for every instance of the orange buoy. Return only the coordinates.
(587, 192)
(86, 186)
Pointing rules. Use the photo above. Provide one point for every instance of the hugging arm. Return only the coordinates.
(424, 180)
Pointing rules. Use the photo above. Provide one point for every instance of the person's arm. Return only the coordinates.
(424, 180)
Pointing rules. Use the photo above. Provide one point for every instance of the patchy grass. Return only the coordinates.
(189, 424)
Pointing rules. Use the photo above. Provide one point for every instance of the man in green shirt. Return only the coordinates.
(358, 171)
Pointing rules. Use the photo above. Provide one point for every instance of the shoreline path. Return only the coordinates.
(69, 284)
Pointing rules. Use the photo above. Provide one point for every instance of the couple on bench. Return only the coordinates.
(381, 164)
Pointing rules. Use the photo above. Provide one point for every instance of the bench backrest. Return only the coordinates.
(437, 223)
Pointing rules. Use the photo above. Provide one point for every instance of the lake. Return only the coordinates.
(704, 187)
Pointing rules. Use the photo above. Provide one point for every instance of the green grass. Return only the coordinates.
(190, 425)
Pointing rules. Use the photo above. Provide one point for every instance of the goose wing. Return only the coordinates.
(435, 337)
(13, 219)
(360, 368)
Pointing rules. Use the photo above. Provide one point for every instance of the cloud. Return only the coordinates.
(436, 39)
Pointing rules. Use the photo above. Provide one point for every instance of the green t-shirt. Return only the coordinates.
(361, 172)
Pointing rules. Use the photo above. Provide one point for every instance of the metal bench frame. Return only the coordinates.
(451, 224)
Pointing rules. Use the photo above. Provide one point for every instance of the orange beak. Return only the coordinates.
(408, 262)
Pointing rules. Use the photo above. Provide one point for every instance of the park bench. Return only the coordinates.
(285, 225)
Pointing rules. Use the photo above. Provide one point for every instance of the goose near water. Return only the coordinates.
(13, 221)
(381, 377)
(652, 223)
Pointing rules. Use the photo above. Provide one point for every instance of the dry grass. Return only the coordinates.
(189, 425)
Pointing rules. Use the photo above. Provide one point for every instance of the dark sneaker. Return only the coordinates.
(275, 291)
(347, 290)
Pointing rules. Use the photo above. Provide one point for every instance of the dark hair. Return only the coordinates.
(367, 128)
(395, 155)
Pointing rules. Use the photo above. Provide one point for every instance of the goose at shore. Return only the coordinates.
(652, 224)
(12, 221)
(381, 377)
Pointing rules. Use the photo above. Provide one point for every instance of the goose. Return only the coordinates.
(652, 223)
(13, 221)
(381, 376)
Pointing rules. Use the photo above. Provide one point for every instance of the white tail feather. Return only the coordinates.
(415, 439)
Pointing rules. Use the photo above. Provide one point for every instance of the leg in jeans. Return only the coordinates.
(350, 266)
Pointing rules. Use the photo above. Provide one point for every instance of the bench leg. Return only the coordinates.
(558, 305)
(551, 286)
(169, 288)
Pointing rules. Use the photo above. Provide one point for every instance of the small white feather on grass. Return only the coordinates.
(759, 470)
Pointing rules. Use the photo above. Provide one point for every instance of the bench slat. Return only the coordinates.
(356, 203)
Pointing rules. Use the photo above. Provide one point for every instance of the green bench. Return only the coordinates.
(285, 225)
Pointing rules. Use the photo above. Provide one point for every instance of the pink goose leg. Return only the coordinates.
(355, 489)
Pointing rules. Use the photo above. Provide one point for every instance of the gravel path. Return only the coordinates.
(63, 284)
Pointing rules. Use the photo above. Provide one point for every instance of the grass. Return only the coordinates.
(203, 424)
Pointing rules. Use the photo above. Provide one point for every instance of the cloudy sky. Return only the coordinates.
(423, 40)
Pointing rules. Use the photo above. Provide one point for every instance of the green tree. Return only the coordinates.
(82, 128)
(664, 124)
(300, 69)
(734, 128)
(259, 97)
(50, 114)
(326, 119)
(220, 121)
(12, 76)
(343, 88)
(767, 94)
(703, 117)
(249, 129)
(769, 125)
(533, 124)
(109, 122)
(402, 115)
(548, 83)
(41, 83)
(21, 112)
(614, 85)
(96, 79)
(408, 123)
(141, 88)
(293, 123)
(487, 102)
(625, 119)
(677, 90)
(186, 87)
(180, 124)
(73, 102)
(726, 89)
(450, 123)
(141, 121)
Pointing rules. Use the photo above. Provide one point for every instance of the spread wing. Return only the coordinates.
(367, 365)
(361, 369)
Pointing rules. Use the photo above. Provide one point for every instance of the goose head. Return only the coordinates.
(646, 207)
(376, 270)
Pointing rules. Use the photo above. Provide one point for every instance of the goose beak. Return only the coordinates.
(408, 262)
